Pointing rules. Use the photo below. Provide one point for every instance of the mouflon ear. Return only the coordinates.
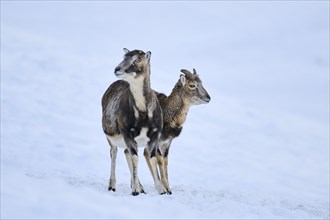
(183, 79)
(126, 50)
(147, 56)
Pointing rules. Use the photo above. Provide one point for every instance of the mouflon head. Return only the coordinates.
(134, 64)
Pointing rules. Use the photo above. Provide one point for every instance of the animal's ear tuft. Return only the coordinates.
(126, 50)
(147, 55)
(183, 79)
(194, 71)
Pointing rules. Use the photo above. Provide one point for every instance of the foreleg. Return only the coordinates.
(113, 156)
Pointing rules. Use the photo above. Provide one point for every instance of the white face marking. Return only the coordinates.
(125, 65)
(142, 140)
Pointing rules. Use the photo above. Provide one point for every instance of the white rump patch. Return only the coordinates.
(142, 140)
(117, 140)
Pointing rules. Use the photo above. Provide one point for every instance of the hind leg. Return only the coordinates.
(162, 165)
(162, 160)
(152, 164)
(130, 166)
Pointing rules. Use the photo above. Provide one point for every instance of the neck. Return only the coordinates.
(140, 89)
(178, 108)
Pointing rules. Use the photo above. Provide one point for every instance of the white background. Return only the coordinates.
(259, 149)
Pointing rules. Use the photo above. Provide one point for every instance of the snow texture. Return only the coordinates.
(258, 150)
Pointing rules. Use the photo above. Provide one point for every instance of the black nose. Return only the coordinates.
(117, 69)
(208, 97)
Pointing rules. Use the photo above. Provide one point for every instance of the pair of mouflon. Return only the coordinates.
(134, 115)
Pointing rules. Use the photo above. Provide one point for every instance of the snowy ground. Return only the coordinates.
(258, 150)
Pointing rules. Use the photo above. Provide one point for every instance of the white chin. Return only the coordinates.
(196, 101)
(130, 77)
(120, 76)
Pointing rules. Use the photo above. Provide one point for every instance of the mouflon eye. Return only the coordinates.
(138, 60)
(192, 86)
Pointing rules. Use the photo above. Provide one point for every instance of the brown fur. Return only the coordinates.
(175, 109)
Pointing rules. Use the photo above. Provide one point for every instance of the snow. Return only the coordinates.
(258, 150)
